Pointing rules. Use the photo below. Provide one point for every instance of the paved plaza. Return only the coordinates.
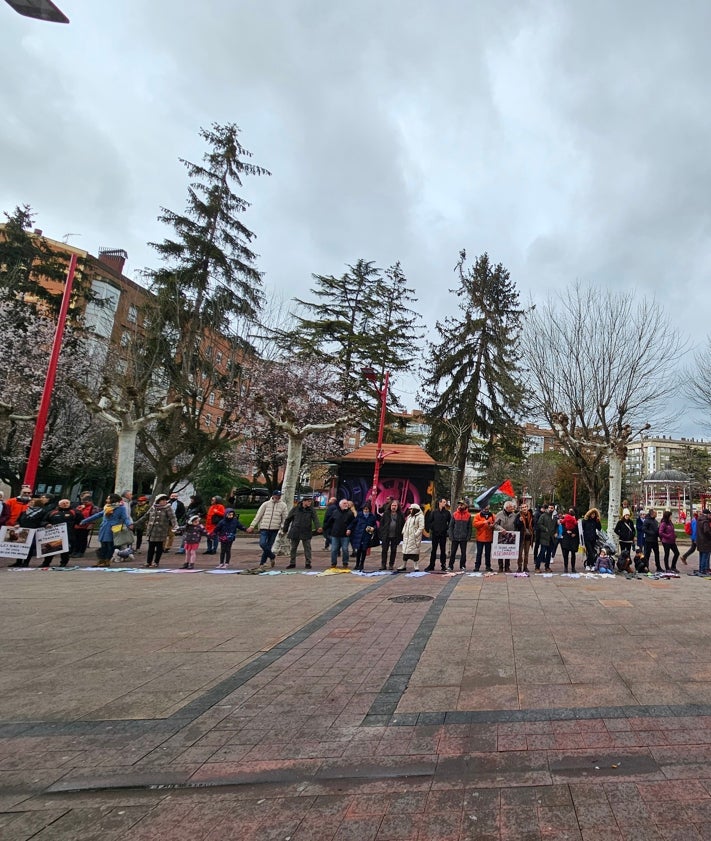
(298, 707)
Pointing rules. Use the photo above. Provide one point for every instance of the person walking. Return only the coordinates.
(692, 526)
(412, 537)
(392, 522)
(625, 531)
(226, 532)
(157, 522)
(269, 519)
(362, 534)
(301, 524)
(437, 526)
(460, 533)
(667, 535)
(651, 539)
(484, 527)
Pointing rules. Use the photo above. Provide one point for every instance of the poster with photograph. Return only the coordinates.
(15, 542)
(505, 544)
(52, 540)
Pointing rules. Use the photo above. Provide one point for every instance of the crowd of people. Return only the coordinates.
(124, 522)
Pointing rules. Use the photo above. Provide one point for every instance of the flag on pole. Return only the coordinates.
(505, 489)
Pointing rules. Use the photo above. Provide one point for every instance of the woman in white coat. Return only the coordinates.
(412, 537)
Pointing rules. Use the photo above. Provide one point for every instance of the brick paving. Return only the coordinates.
(314, 707)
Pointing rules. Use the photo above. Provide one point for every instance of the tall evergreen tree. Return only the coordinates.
(474, 375)
(360, 319)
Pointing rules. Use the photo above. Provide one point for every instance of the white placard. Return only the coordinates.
(505, 544)
(15, 541)
(52, 540)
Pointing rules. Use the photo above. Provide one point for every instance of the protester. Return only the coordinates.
(63, 513)
(114, 515)
(484, 527)
(651, 538)
(506, 521)
(667, 535)
(17, 504)
(703, 540)
(32, 517)
(392, 522)
(691, 525)
(226, 532)
(84, 510)
(591, 527)
(331, 508)
(157, 522)
(362, 535)
(341, 525)
(570, 541)
(545, 535)
(140, 509)
(625, 531)
(269, 519)
(412, 537)
(523, 524)
(215, 513)
(300, 525)
(460, 533)
(437, 526)
(191, 540)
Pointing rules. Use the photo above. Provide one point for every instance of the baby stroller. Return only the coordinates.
(604, 541)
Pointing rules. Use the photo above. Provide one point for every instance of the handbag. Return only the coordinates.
(122, 535)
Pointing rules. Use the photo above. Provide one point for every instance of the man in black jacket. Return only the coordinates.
(341, 523)
(437, 526)
(301, 522)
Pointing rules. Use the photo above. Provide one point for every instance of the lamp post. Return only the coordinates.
(371, 376)
(41, 423)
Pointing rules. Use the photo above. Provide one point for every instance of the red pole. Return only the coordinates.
(38, 436)
(381, 430)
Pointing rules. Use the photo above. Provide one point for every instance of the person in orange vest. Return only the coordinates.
(18, 504)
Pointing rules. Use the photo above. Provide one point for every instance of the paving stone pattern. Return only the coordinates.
(295, 707)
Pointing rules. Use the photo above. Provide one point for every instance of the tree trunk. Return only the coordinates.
(460, 466)
(125, 459)
(613, 506)
(288, 485)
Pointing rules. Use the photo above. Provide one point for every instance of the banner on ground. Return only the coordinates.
(505, 544)
(15, 541)
(52, 540)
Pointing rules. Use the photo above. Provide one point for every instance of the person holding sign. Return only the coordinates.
(506, 521)
(62, 514)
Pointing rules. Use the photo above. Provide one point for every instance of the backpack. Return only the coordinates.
(687, 526)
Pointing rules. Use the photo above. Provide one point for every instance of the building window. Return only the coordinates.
(351, 441)
(208, 352)
(125, 339)
(121, 366)
(208, 420)
(133, 314)
(218, 358)
(211, 398)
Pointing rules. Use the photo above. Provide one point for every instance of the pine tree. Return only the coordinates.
(359, 320)
(473, 386)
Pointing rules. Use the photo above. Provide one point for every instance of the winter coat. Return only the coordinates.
(703, 533)
(226, 530)
(484, 525)
(328, 518)
(113, 515)
(625, 530)
(570, 540)
(523, 523)
(505, 521)
(214, 514)
(178, 509)
(385, 525)
(460, 526)
(195, 509)
(666, 533)
(301, 522)
(412, 531)
(651, 529)
(32, 518)
(591, 527)
(694, 526)
(139, 509)
(193, 533)
(437, 522)
(545, 529)
(157, 523)
(270, 516)
(361, 538)
(16, 505)
(342, 522)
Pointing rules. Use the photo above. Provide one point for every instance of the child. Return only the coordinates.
(225, 532)
(603, 564)
(639, 563)
(624, 562)
(191, 540)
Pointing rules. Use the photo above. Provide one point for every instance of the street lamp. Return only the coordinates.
(370, 374)
(39, 10)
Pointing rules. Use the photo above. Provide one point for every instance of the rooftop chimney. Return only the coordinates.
(113, 257)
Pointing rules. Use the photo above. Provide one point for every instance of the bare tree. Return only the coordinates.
(593, 359)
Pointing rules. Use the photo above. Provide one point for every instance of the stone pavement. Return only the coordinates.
(295, 707)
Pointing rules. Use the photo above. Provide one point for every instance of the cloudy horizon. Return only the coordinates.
(569, 143)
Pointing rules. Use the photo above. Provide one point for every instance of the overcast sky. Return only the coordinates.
(569, 140)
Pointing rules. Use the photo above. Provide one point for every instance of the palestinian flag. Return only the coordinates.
(505, 489)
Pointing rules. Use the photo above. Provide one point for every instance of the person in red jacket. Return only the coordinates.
(484, 528)
(215, 513)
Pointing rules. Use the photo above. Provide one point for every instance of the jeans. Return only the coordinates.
(543, 556)
(266, 541)
(339, 544)
(483, 548)
(704, 562)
